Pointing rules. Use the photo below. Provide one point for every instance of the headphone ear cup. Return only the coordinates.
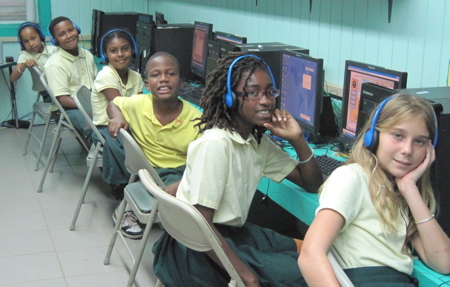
(371, 140)
(230, 99)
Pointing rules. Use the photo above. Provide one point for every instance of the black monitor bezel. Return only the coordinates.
(400, 84)
(196, 69)
(314, 127)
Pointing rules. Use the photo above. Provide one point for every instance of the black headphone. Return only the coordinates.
(230, 97)
(133, 42)
(41, 35)
(371, 137)
(54, 41)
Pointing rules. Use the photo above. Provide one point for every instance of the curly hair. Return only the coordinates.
(215, 111)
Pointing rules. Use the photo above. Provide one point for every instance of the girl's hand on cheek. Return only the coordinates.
(413, 176)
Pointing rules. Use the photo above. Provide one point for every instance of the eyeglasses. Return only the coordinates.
(257, 95)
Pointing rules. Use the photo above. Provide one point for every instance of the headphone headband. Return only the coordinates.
(230, 97)
(26, 24)
(371, 137)
(133, 42)
(53, 39)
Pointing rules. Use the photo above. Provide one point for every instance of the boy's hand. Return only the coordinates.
(114, 125)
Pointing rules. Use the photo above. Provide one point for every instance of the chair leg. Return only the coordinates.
(42, 142)
(142, 245)
(84, 190)
(58, 145)
(122, 206)
(53, 152)
(29, 134)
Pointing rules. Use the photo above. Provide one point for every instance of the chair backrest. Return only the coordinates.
(36, 78)
(82, 98)
(44, 82)
(135, 158)
(186, 224)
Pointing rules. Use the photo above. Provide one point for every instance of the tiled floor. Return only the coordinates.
(36, 246)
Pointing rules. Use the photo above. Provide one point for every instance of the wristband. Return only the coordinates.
(309, 158)
(425, 220)
(18, 69)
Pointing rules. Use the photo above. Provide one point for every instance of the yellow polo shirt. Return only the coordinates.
(164, 146)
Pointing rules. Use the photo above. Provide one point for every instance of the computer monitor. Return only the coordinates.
(229, 38)
(357, 73)
(202, 33)
(302, 91)
(159, 18)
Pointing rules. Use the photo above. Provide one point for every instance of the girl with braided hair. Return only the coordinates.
(224, 167)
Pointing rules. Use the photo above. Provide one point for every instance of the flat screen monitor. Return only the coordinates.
(302, 91)
(357, 73)
(159, 18)
(202, 33)
(229, 38)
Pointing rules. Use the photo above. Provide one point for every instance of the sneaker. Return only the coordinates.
(116, 214)
(130, 226)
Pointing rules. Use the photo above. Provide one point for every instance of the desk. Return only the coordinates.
(12, 92)
(303, 206)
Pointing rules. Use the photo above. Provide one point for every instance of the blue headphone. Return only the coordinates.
(371, 137)
(27, 24)
(54, 41)
(230, 96)
(135, 49)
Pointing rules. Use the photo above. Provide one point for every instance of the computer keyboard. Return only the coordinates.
(327, 164)
(192, 93)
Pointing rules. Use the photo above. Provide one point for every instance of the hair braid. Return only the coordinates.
(215, 110)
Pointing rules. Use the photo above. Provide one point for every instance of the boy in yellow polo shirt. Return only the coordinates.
(160, 122)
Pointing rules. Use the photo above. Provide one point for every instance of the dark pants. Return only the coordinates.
(378, 276)
(271, 256)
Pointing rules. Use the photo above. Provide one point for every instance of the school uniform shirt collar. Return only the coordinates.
(129, 83)
(175, 123)
(39, 55)
(236, 137)
(69, 56)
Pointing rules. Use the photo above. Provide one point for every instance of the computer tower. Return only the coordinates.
(176, 39)
(144, 34)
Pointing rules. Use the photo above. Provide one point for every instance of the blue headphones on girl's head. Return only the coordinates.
(53, 39)
(371, 137)
(230, 97)
(27, 24)
(133, 42)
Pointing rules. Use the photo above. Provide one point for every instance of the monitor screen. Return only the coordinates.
(357, 73)
(302, 91)
(229, 38)
(202, 33)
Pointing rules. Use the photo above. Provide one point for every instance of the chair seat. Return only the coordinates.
(143, 199)
(42, 109)
(98, 159)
